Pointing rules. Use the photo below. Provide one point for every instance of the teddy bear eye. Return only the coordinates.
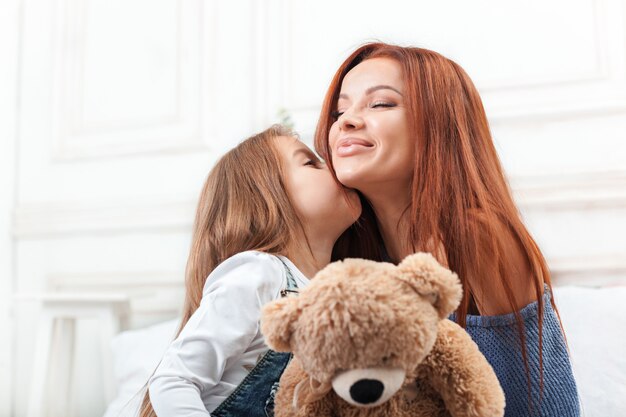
(388, 358)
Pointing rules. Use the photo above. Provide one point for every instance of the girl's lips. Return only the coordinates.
(352, 146)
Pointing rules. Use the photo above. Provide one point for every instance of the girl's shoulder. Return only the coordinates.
(249, 270)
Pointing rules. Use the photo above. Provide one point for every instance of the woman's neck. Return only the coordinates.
(392, 222)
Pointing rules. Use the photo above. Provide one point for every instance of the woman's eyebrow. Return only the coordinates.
(382, 87)
(375, 88)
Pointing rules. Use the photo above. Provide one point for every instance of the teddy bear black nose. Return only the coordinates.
(366, 391)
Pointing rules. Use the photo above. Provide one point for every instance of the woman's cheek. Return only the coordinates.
(332, 137)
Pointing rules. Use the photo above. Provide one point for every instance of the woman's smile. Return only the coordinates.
(351, 146)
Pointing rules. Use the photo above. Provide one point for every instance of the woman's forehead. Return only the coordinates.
(372, 72)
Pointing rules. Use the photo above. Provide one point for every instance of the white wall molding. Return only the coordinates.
(574, 191)
(590, 271)
(154, 295)
(59, 219)
(75, 138)
(601, 71)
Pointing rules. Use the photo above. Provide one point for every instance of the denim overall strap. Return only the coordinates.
(254, 396)
(292, 286)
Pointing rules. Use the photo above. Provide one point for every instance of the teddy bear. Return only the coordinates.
(373, 339)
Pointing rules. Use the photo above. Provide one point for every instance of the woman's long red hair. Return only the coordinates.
(459, 193)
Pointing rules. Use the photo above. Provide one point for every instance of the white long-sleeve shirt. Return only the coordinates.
(222, 340)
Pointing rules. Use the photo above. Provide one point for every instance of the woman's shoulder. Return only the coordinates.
(528, 313)
(255, 270)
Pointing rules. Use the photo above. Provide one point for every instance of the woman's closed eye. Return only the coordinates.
(382, 104)
(379, 104)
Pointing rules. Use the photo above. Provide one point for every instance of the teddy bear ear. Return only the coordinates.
(276, 322)
(440, 286)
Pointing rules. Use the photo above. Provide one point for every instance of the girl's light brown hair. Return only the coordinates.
(459, 194)
(243, 206)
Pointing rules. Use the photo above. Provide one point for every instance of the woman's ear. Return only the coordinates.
(276, 322)
(440, 286)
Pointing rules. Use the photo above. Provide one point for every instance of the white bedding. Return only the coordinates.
(593, 320)
(595, 327)
(136, 354)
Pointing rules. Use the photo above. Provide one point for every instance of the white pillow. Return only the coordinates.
(136, 354)
(596, 333)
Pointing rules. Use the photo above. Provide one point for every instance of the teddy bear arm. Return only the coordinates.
(459, 372)
(290, 378)
(292, 375)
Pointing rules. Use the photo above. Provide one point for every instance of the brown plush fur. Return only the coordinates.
(359, 314)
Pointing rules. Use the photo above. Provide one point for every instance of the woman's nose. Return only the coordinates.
(350, 121)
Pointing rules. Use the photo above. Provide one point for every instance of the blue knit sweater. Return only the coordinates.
(498, 339)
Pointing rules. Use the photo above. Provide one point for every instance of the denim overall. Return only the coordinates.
(254, 396)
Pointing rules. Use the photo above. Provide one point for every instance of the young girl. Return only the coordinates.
(268, 217)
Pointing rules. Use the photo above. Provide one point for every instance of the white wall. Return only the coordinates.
(9, 19)
(122, 107)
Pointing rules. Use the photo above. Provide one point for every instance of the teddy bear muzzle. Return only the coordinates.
(368, 387)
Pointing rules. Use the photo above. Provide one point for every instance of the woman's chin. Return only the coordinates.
(350, 178)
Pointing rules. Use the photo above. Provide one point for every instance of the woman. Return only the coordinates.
(407, 129)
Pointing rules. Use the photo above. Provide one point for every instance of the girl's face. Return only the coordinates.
(369, 141)
(317, 198)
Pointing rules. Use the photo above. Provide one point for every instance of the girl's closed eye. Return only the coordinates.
(312, 162)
